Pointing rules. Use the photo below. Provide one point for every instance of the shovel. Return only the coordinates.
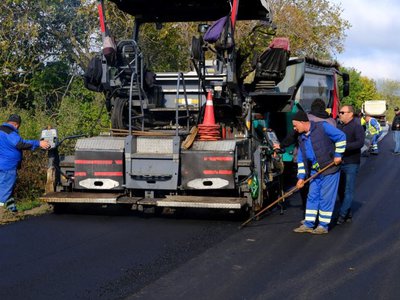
(289, 193)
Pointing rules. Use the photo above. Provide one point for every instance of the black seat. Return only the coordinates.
(271, 65)
(127, 54)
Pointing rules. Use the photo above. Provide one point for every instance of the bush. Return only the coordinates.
(32, 176)
(80, 112)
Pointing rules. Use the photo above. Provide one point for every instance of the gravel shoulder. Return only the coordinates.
(7, 217)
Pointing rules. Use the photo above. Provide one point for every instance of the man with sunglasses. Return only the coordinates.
(355, 137)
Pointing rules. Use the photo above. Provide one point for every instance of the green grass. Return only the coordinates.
(28, 204)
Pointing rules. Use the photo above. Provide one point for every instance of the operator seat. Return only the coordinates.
(128, 58)
(271, 65)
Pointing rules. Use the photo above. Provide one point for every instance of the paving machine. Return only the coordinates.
(196, 139)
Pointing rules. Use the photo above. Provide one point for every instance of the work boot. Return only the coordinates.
(340, 220)
(12, 208)
(349, 217)
(320, 230)
(302, 228)
(10, 205)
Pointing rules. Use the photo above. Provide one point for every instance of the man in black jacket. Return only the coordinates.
(396, 131)
(355, 136)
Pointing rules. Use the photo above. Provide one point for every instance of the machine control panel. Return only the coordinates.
(51, 136)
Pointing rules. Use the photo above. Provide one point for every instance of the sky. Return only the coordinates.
(372, 45)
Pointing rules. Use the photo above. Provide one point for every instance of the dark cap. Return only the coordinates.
(300, 116)
(318, 108)
(396, 109)
(14, 118)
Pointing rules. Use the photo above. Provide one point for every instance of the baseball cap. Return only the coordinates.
(14, 118)
(300, 116)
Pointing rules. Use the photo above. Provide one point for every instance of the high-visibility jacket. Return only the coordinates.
(373, 126)
(363, 122)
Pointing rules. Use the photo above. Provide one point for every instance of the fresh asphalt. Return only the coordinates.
(114, 256)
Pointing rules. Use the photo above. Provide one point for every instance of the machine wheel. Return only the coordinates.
(120, 115)
(246, 212)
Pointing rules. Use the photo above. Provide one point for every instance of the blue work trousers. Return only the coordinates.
(349, 173)
(396, 137)
(321, 199)
(374, 142)
(7, 184)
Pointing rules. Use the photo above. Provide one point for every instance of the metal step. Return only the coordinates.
(169, 201)
(244, 163)
(202, 202)
(80, 197)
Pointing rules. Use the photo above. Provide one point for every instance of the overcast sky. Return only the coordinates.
(372, 45)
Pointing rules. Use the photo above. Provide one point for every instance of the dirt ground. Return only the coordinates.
(8, 217)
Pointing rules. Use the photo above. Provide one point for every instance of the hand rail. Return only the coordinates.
(181, 77)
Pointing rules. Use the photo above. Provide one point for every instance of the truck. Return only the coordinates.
(376, 109)
(199, 138)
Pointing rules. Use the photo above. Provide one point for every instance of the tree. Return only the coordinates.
(314, 27)
(36, 33)
(389, 90)
(361, 88)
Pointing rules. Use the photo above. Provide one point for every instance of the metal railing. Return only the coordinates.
(181, 78)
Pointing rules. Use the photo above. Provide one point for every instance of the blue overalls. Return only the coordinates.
(11, 146)
(317, 148)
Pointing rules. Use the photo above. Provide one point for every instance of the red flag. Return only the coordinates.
(335, 106)
(234, 12)
(101, 16)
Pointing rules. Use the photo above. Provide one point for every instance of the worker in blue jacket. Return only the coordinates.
(319, 145)
(11, 146)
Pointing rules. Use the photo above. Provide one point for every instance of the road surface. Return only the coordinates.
(78, 256)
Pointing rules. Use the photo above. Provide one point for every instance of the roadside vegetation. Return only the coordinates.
(46, 45)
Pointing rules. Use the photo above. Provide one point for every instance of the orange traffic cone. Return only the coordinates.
(208, 130)
(209, 118)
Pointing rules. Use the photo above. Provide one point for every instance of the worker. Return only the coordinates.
(318, 113)
(396, 131)
(319, 144)
(11, 146)
(374, 129)
(361, 116)
(355, 137)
